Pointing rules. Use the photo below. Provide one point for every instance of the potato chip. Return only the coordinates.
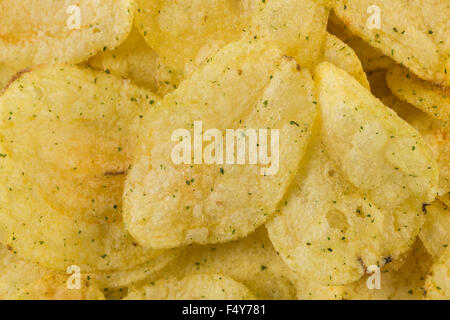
(114, 280)
(67, 140)
(426, 96)
(358, 199)
(341, 55)
(437, 285)
(184, 33)
(404, 31)
(297, 26)
(215, 199)
(338, 28)
(371, 59)
(23, 280)
(133, 59)
(435, 132)
(407, 283)
(60, 31)
(435, 233)
(251, 260)
(195, 287)
(6, 75)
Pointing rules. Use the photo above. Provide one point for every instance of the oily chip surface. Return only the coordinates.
(195, 287)
(66, 142)
(245, 86)
(35, 32)
(408, 33)
(357, 200)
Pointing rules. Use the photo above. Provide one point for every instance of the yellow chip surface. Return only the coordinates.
(251, 260)
(20, 280)
(60, 31)
(437, 285)
(342, 56)
(426, 96)
(133, 60)
(211, 200)
(435, 233)
(407, 283)
(66, 143)
(298, 27)
(358, 199)
(406, 32)
(436, 134)
(195, 287)
(6, 74)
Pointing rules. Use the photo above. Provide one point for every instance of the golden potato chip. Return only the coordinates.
(435, 132)
(371, 59)
(115, 280)
(6, 75)
(341, 55)
(435, 233)
(133, 59)
(297, 26)
(173, 198)
(195, 287)
(337, 28)
(437, 285)
(251, 260)
(426, 96)
(184, 33)
(60, 31)
(67, 138)
(357, 201)
(404, 31)
(407, 283)
(23, 280)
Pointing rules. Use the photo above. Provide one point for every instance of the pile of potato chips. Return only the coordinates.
(93, 207)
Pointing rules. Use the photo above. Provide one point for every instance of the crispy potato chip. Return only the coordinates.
(133, 59)
(341, 55)
(47, 31)
(407, 283)
(435, 132)
(371, 58)
(67, 138)
(426, 96)
(245, 86)
(195, 287)
(297, 26)
(358, 199)
(115, 280)
(407, 33)
(184, 33)
(337, 28)
(435, 233)
(251, 260)
(23, 280)
(6, 74)
(437, 285)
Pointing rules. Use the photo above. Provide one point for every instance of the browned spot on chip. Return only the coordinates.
(115, 173)
(15, 77)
